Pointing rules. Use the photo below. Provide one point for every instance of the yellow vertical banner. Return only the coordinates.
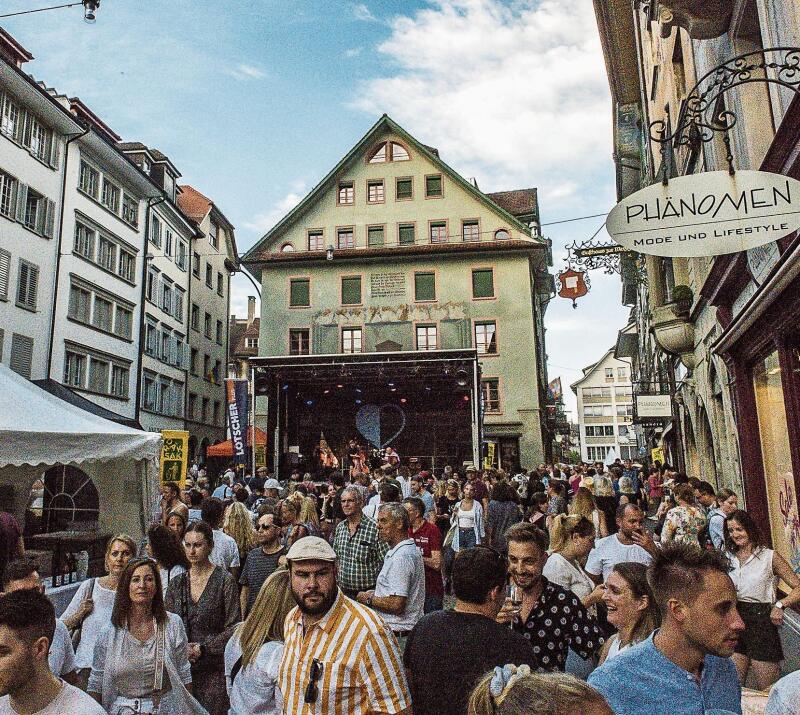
(261, 455)
(488, 460)
(174, 457)
(657, 454)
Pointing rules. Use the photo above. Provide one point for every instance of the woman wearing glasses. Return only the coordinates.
(140, 663)
(253, 654)
(206, 598)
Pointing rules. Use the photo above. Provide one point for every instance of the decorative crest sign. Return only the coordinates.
(572, 285)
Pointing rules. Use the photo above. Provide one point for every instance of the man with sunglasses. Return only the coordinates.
(339, 657)
(448, 651)
(262, 561)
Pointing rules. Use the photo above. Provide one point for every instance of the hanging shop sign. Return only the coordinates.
(707, 214)
(572, 285)
(608, 249)
(653, 406)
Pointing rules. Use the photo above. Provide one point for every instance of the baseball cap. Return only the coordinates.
(471, 468)
(311, 548)
(272, 484)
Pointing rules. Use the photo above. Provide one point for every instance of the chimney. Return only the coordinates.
(251, 309)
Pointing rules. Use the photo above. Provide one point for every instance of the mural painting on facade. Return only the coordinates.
(787, 501)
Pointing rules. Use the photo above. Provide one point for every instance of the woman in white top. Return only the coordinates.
(571, 540)
(468, 518)
(584, 505)
(141, 660)
(91, 606)
(254, 652)
(632, 608)
(755, 571)
(168, 553)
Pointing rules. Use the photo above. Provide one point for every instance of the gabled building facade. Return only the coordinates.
(214, 257)
(393, 251)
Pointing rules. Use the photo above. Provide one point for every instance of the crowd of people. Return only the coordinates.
(585, 589)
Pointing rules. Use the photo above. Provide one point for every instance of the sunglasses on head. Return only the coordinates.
(312, 692)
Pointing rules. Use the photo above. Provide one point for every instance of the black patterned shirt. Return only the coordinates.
(557, 622)
(359, 558)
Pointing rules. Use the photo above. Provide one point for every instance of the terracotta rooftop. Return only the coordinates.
(194, 204)
(12, 50)
(520, 202)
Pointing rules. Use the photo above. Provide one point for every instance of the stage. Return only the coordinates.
(425, 404)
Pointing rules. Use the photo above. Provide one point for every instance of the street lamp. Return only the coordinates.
(90, 8)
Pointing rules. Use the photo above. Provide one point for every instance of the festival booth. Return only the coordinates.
(424, 404)
(224, 450)
(97, 477)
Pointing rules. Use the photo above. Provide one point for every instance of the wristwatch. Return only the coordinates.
(779, 604)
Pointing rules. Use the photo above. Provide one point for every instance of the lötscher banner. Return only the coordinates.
(237, 404)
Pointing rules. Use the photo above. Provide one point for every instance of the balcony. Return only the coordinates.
(674, 333)
(702, 19)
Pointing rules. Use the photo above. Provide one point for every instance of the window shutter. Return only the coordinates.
(482, 284)
(22, 199)
(50, 218)
(5, 270)
(55, 148)
(19, 127)
(21, 355)
(351, 290)
(299, 293)
(424, 286)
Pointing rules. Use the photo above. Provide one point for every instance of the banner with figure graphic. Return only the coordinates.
(174, 457)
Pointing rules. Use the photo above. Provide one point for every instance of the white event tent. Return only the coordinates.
(38, 430)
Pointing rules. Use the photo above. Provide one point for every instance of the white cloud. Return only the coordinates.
(244, 72)
(363, 13)
(514, 94)
(263, 222)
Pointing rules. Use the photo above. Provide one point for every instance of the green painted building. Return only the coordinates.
(394, 252)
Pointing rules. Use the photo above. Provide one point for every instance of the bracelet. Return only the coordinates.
(369, 600)
(779, 604)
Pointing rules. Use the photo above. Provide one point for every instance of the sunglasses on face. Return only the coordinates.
(312, 692)
(264, 527)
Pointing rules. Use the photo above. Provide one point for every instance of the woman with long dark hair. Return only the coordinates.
(207, 599)
(140, 662)
(755, 570)
(167, 552)
(631, 606)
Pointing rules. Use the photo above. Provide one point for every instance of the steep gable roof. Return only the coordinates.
(589, 369)
(520, 202)
(194, 204)
(385, 123)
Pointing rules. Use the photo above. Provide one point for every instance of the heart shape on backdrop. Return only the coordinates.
(380, 424)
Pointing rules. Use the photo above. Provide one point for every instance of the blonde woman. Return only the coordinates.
(308, 514)
(254, 652)
(514, 689)
(584, 505)
(91, 606)
(238, 524)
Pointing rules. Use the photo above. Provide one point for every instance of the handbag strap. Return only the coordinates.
(161, 642)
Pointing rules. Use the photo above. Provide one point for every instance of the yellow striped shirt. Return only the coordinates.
(362, 669)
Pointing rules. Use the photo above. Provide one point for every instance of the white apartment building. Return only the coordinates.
(213, 258)
(100, 273)
(170, 235)
(33, 133)
(605, 409)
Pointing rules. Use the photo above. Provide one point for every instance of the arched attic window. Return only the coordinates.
(287, 248)
(378, 154)
(388, 151)
(399, 152)
(502, 235)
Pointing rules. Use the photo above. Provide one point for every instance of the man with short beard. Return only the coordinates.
(358, 667)
(631, 543)
(27, 624)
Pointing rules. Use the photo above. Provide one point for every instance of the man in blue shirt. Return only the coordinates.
(684, 668)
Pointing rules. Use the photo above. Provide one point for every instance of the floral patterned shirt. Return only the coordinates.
(683, 525)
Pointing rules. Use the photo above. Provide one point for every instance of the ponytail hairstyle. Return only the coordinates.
(564, 526)
(512, 690)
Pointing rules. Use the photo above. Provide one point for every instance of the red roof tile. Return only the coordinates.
(193, 203)
(520, 202)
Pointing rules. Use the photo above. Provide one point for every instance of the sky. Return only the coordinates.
(256, 100)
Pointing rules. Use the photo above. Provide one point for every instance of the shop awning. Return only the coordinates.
(64, 393)
(225, 449)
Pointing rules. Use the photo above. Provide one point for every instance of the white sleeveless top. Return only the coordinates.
(754, 579)
(466, 519)
(615, 649)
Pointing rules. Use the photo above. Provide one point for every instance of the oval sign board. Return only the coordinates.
(707, 214)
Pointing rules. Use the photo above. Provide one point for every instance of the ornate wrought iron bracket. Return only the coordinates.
(595, 255)
(704, 113)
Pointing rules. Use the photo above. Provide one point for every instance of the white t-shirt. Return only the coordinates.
(784, 696)
(225, 552)
(567, 575)
(403, 574)
(255, 688)
(69, 701)
(62, 655)
(103, 599)
(609, 552)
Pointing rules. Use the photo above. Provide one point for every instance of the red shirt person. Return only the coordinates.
(428, 539)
